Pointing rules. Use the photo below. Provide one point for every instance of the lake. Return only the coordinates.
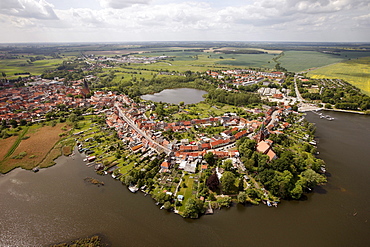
(56, 204)
(177, 95)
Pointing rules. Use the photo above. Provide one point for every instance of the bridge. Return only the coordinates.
(158, 147)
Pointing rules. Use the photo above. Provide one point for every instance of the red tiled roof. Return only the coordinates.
(263, 147)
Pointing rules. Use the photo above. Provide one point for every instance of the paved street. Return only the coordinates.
(138, 130)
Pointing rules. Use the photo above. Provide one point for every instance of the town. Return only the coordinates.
(185, 162)
(189, 165)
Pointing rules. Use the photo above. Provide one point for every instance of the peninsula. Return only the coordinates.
(247, 141)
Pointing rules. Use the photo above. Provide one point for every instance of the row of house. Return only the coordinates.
(32, 103)
(246, 77)
(184, 152)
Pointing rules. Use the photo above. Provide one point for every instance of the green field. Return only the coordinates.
(201, 61)
(356, 72)
(296, 61)
(183, 61)
(12, 66)
(247, 60)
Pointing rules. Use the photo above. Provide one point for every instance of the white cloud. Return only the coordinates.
(28, 9)
(120, 4)
(179, 20)
(363, 20)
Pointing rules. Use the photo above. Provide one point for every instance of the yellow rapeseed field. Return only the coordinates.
(355, 72)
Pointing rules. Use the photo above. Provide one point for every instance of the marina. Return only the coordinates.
(323, 116)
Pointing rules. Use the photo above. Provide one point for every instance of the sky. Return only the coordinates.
(174, 20)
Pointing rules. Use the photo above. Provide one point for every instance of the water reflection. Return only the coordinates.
(177, 95)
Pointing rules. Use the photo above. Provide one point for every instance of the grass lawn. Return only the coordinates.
(355, 72)
(204, 110)
(125, 169)
(186, 192)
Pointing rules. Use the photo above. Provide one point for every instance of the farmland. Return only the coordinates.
(12, 66)
(209, 60)
(33, 148)
(296, 61)
(355, 71)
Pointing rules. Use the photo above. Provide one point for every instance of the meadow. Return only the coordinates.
(201, 61)
(20, 65)
(354, 71)
(32, 149)
(183, 61)
(296, 61)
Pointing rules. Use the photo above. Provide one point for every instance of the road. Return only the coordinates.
(298, 94)
(303, 107)
(138, 130)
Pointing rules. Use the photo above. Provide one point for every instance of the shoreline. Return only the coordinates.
(346, 111)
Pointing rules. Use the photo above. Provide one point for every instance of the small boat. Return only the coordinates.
(269, 203)
(36, 169)
(313, 142)
(133, 189)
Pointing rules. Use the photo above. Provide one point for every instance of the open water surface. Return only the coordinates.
(55, 205)
(176, 95)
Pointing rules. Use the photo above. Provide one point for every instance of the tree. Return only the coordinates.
(227, 181)
(159, 110)
(246, 147)
(13, 123)
(23, 122)
(241, 184)
(210, 159)
(193, 208)
(228, 164)
(129, 179)
(297, 192)
(73, 118)
(242, 197)
(328, 106)
(224, 201)
(167, 205)
(312, 178)
(213, 182)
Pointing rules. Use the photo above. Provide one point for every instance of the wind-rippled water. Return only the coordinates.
(56, 204)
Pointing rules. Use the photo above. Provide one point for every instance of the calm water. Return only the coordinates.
(175, 96)
(55, 204)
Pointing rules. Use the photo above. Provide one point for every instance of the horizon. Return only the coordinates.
(189, 42)
(120, 21)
